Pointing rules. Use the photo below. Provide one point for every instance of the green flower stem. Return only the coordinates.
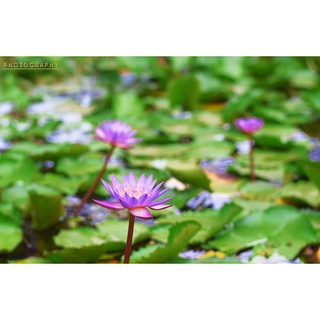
(95, 183)
(251, 158)
(129, 239)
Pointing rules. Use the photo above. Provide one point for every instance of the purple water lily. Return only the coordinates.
(116, 133)
(249, 125)
(136, 196)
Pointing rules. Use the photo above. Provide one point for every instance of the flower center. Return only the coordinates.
(135, 192)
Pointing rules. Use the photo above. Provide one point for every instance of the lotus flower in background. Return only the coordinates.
(136, 196)
(116, 133)
(249, 125)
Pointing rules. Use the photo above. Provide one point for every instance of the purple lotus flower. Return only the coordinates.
(136, 196)
(249, 125)
(117, 133)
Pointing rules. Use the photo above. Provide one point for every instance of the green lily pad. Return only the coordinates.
(211, 221)
(18, 196)
(252, 204)
(179, 236)
(67, 185)
(80, 166)
(284, 225)
(190, 173)
(49, 151)
(259, 190)
(10, 233)
(181, 197)
(9, 210)
(46, 204)
(124, 103)
(314, 218)
(88, 254)
(78, 237)
(209, 150)
(115, 233)
(14, 167)
(184, 92)
(303, 191)
(312, 170)
(30, 260)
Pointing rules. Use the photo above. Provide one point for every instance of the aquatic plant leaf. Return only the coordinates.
(181, 197)
(46, 205)
(160, 233)
(252, 204)
(184, 92)
(179, 237)
(215, 260)
(9, 210)
(312, 170)
(236, 107)
(137, 64)
(78, 237)
(190, 173)
(314, 218)
(49, 151)
(159, 151)
(15, 167)
(67, 185)
(283, 225)
(10, 233)
(209, 150)
(79, 166)
(114, 232)
(30, 260)
(87, 254)
(211, 221)
(124, 103)
(304, 191)
(259, 190)
(18, 196)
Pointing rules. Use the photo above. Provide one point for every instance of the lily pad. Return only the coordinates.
(88, 254)
(78, 237)
(80, 166)
(303, 191)
(283, 225)
(18, 196)
(46, 204)
(10, 233)
(190, 173)
(259, 190)
(14, 167)
(114, 232)
(211, 221)
(312, 170)
(184, 92)
(179, 236)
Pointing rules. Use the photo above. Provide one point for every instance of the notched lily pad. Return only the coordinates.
(179, 237)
